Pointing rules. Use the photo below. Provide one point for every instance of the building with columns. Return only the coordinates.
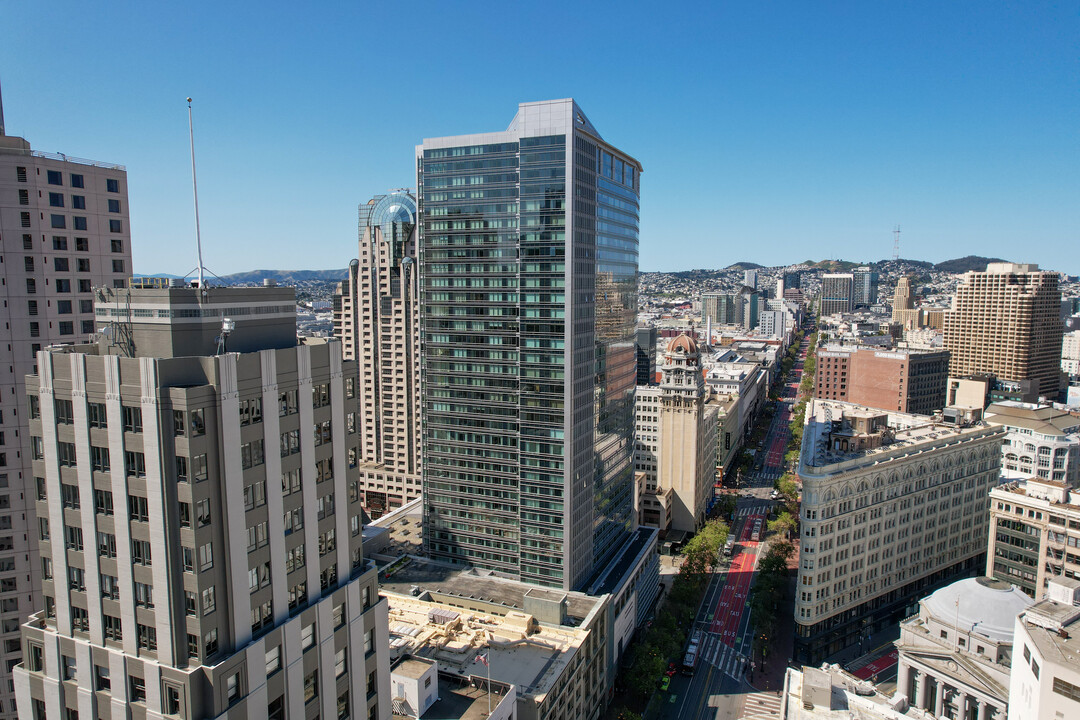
(188, 569)
(676, 439)
(955, 655)
(376, 316)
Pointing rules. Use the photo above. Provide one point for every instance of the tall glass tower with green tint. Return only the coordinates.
(528, 252)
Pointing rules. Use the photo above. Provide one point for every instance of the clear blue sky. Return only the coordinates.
(771, 132)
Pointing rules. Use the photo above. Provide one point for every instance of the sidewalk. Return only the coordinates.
(771, 677)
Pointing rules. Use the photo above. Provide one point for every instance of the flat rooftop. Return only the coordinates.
(521, 652)
(460, 700)
(454, 582)
(907, 432)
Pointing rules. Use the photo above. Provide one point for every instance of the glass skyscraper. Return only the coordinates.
(528, 252)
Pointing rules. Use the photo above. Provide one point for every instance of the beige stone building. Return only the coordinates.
(1006, 322)
(1045, 677)
(376, 316)
(955, 655)
(676, 442)
(64, 231)
(893, 505)
(198, 515)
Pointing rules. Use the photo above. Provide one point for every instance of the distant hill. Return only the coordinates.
(744, 266)
(966, 264)
(286, 277)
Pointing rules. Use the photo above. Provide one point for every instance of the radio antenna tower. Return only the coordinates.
(195, 189)
(896, 244)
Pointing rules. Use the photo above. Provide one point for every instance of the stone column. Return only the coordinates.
(939, 699)
(961, 705)
(984, 711)
(921, 693)
(903, 680)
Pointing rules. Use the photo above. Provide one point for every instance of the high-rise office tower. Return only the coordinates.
(64, 231)
(837, 293)
(187, 569)
(528, 258)
(379, 319)
(864, 287)
(1006, 322)
(646, 355)
(750, 279)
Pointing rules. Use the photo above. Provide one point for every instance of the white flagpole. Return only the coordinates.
(195, 190)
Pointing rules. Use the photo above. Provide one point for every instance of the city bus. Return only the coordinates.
(691, 655)
(756, 534)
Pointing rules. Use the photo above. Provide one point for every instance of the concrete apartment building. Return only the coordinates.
(188, 569)
(1036, 534)
(893, 506)
(955, 655)
(741, 308)
(1042, 442)
(1045, 677)
(63, 232)
(864, 287)
(904, 380)
(377, 317)
(676, 442)
(1006, 322)
(528, 313)
(1070, 353)
(837, 293)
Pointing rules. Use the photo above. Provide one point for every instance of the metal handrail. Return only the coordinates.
(81, 161)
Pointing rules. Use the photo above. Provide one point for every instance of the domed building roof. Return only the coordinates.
(988, 604)
(684, 344)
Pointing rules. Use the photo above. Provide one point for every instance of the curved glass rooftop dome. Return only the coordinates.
(396, 207)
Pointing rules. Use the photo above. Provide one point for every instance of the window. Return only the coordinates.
(58, 243)
(66, 328)
(297, 595)
(64, 286)
(191, 603)
(110, 587)
(294, 559)
(138, 508)
(55, 177)
(184, 512)
(112, 627)
(193, 646)
(198, 423)
(250, 411)
(369, 642)
(24, 199)
(95, 412)
(134, 463)
(288, 403)
(56, 200)
(31, 284)
(206, 556)
(273, 660)
(112, 185)
(172, 700)
(31, 307)
(85, 285)
(232, 688)
(144, 595)
(251, 454)
(255, 495)
(80, 619)
(147, 636)
(106, 543)
(82, 244)
(311, 686)
(78, 202)
(275, 710)
(140, 552)
(340, 663)
(132, 418)
(69, 495)
(338, 615)
(117, 245)
(79, 223)
(290, 442)
(181, 469)
(257, 536)
(209, 600)
(46, 567)
(188, 555)
(198, 467)
(76, 579)
(60, 264)
(179, 426)
(103, 499)
(1065, 688)
(202, 512)
(76, 181)
(116, 226)
(210, 643)
(136, 689)
(36, 658)
(58, 222)
(73, 538)
(68, 667)
(101, 678)
(114, 205)
(343, 705)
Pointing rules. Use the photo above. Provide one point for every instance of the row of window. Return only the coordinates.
(75, 180)
(62, 264)
(60, 243)
(78, 202)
